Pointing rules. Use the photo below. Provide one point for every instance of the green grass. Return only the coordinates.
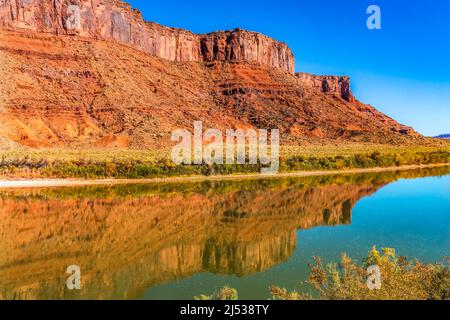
(135, 164)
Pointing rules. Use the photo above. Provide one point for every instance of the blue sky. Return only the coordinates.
(402, 69)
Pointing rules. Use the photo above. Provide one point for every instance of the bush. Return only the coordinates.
(224, 294)
(401, 280)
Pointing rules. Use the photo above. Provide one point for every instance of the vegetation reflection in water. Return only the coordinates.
(129, 239)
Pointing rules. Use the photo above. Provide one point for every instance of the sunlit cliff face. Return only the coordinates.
(126, 239)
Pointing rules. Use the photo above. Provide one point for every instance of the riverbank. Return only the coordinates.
(150, 164)
(45, 183)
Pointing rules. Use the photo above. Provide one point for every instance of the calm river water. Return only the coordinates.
(177, 241)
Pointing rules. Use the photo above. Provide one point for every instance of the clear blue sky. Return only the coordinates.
(402, 69)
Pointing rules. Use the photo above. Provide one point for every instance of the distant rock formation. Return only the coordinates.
(116, 20)
(443, 136)
(329, 84)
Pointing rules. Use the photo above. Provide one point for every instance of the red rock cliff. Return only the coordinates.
(116, 20)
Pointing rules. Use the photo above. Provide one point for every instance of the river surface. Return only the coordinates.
(177, 241)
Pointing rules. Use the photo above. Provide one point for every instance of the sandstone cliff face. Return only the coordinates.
(239, 45)
(336, 85)
(116, 20)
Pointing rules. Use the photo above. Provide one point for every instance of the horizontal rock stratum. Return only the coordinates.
(116, 20)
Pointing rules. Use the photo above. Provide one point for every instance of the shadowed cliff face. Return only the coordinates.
(126, 241)
(116, 20)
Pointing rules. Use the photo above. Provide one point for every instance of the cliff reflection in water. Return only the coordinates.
(129, 238)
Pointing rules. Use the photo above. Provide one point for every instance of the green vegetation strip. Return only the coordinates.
(141, 165)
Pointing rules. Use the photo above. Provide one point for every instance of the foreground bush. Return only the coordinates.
(400, 280)
(223, 294)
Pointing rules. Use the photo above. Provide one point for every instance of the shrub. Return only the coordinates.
(401, 279)
(224, 294)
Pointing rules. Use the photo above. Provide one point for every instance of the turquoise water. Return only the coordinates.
(177, 241)
(412, 216)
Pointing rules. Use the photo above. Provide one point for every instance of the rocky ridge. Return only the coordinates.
(116, 20)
